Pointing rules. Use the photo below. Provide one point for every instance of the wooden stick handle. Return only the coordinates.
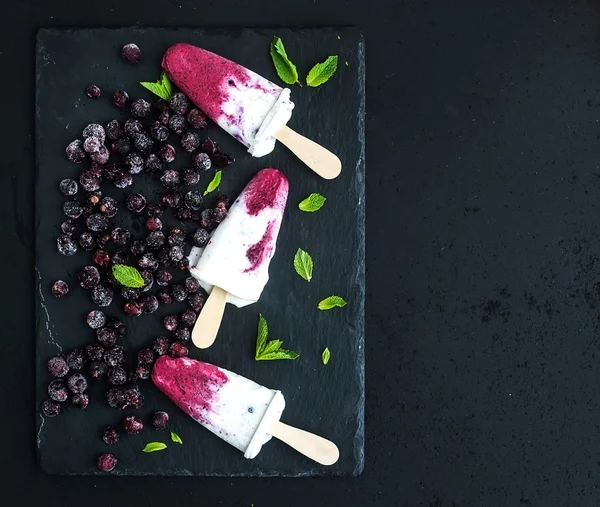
(319, 159)
(316, 448)
(208, 322)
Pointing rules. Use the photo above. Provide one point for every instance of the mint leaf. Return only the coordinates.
(286, 70)
(326, 356)
(312, 203)
(216, 181)
(154, 446)
(321, 72)
(263, 333)
(332, 302)
(176, 438)
(303, 264)
(162, 87)
(127, 276)
(270, 350)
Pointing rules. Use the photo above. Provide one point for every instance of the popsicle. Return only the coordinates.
(236, 409)
(234, 266)
(247, 106)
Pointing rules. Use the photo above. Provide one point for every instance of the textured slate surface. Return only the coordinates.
(327, 400)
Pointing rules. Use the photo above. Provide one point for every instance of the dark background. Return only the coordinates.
(483, 178)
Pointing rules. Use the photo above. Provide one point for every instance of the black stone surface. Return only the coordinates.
(327, 400)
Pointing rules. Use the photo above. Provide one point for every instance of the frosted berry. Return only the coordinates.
(134, 162)
(107, 462)
(102, 295)
(51, 408)
(170, 178)
(179, 103)
(77, 383)
(131, 53)
(80, 401)
(110, 435)
(60, 289)
(66, 245)
(75, 151)
(160, 420)
(140, 108)
(190, 141)
(68, 187)
(94, 130)
(166, 153)
(171, 322)
(201, 237)
(93, 92)
(178, 349)
(58, 367)
(114, 130)
(76, 359)
(120, 98)
(197, 119)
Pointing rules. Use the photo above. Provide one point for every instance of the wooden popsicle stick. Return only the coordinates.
(316, 448)
(208, 322)
(319, 159)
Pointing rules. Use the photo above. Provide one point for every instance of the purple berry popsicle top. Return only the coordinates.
(268, 189)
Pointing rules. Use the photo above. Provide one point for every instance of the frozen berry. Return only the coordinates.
(91, 144)
(72, 209)
(148, 280)
(80, 401)
(101, 258)
(143, 142)
(120, 98)
(152, 164)
(176, 253)
(66, 245)
(192, 285)
(60, 289)
(108, 206)
(201, 162)
(190, 177)
(183, 264)
(154, 211)
(116, 397)
(114, 356)
(188, 318)
(51, 408)
(207, 219)
(98, 369)
(193, 200)
(114, 130)
(77, 383)
(131, 53)
(140, 108)
(92, 91)
(136, 203)
(161, 346)
(88, 181)
(164, 118)
(138, 247)
(181, 334)
(133, 309)
(116, 376)
(122, 146)
(146, 356)
(58, 367)
(176, 237)
(97, 222)
(132, 127)
(120, 236)
(183, 213)
(163, 256)
(221, 160)
(190, 141)
(179, 103)
(148, 261)
(166, 153)
(197, 119)
(160, 105)
(143, 371)
(102, 295)
(163, 277)
(89, 277)
(160, 420)
(165, 297)
(133, 424)
(155, 240)
(94, 130)
(110, 435)
(171, 322)
(106, 336)
(93, 198)
(107, 462)
(177, 123)
(57, 390)
(171, 199)
(219, 214)
(133, 397)
(130, 294)
(68, 187)
(149, 304)
(159, 132)
(209, 147)
(196, 301)
(75, 151)
(94, 352)
(153, 224)
(123, 180)
(222, 201)
(178, 349)
(76, 359)
(134, 162)
(201, 237)
(96, 319)
(170, 178)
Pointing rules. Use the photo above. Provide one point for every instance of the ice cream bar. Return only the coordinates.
(240, 249)
(231, 406)
(246, 105)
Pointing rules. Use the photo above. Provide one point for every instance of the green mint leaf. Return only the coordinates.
(280, 354)
(162, 87)
(303, 264)
(154, 446)
(286, 70)
(272, 346)
(312, 203)
(321, 72)
(175, 438)
(261, 338)
(127, 276)
(326, 355)
(332, 302)
(216, 181)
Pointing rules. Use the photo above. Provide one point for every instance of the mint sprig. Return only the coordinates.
(326, 355)
(154, 446)
(215, 182)
(270, 350)
(312, 203)
(176, 438)
(128, 276)
(332, 302)
(162, 87)
(286, 70)
(303, 264)
(321, 72)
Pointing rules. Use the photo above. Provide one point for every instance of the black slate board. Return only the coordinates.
(328, 400)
